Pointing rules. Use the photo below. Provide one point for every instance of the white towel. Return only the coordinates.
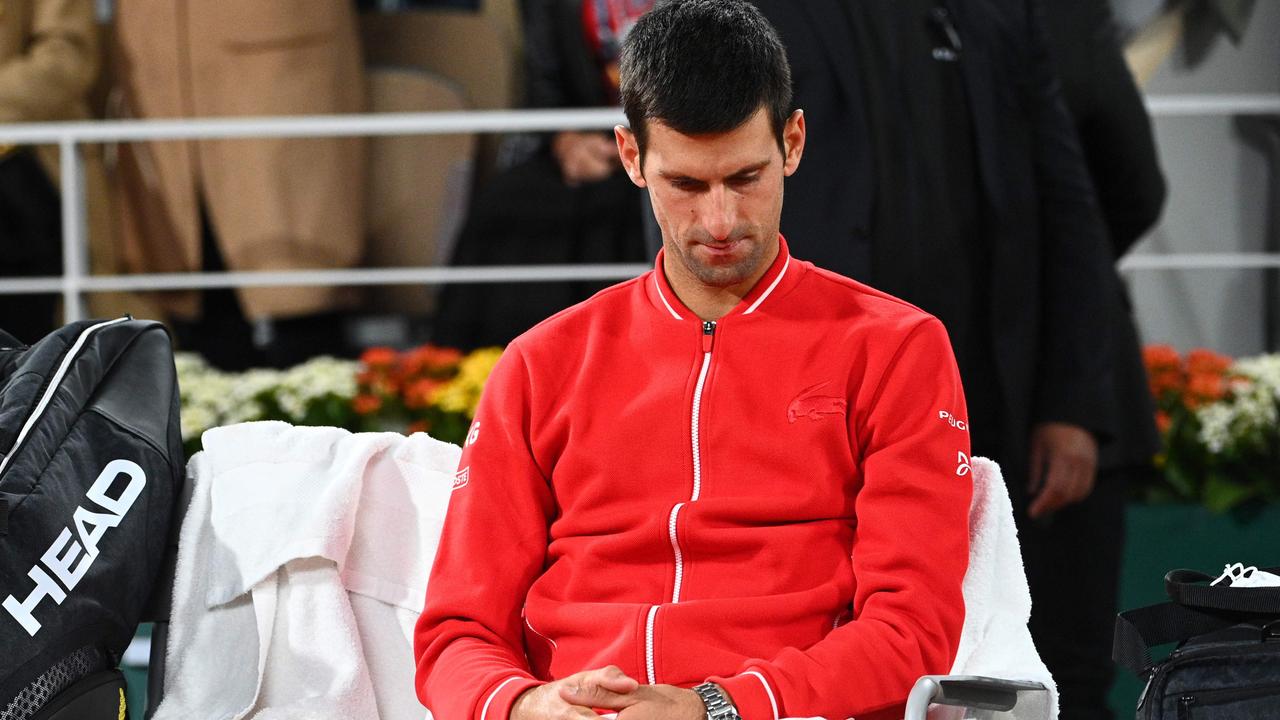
(995, 641)
(303, 564)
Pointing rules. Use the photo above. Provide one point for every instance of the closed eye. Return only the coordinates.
(688, 184)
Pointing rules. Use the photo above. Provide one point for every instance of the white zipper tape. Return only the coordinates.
(53, 388)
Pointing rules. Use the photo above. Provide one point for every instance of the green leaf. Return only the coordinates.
(1222, 494)
(1182, 483)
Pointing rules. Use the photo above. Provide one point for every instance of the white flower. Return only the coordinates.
(1215, 426)
(1251, 413)
(195, 420)
(211, 398)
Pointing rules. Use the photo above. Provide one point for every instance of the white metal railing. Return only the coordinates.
(76, 280)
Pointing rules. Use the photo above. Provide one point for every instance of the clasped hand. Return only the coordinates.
(610, 689)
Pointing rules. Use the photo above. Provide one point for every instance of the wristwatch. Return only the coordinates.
(717, 702)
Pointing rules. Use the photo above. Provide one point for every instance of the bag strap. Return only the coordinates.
(1190, 588)
(1137, 631)
(9, 341)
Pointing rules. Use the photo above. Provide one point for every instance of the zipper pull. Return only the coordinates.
(942, 19)
(1184, 706)
(1142, 699)
(708, 334)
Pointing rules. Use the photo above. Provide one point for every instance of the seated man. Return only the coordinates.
(736, 486)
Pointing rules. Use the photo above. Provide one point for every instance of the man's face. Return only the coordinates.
(717, 198)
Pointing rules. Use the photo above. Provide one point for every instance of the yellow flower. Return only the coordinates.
(462, 393)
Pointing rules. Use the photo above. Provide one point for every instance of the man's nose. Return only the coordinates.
(719, 213)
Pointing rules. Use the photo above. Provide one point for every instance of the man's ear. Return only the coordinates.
(793, 142)
(629, 153)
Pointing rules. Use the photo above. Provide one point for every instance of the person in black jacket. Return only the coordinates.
(1078, 556)
(943, 167)
(565, 200)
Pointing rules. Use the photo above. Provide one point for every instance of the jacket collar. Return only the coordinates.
(781, 274)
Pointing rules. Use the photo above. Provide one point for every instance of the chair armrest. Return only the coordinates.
(983, 693)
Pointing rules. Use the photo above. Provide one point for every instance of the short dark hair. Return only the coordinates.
(704, 66)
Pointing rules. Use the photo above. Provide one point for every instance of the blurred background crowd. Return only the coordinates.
(990, 161)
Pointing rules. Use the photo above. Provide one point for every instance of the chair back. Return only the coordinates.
(418, 185)
(299, 540)
(995, 641)
(474, 50)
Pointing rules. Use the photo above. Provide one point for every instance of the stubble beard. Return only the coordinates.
(724, 274)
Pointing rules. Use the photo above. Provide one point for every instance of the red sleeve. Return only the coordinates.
(468, 643)
(911, 550)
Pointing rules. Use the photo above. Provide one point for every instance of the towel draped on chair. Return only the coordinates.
(302, 567)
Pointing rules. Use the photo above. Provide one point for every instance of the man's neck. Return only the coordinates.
(709, 306)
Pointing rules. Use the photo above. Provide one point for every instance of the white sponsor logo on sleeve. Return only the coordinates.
(461, 478)
(952, 420)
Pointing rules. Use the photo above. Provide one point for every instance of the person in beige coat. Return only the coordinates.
(261, 204)
(48, 61)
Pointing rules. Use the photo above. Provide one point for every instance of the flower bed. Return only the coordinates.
(428, 389)
(1220, 421)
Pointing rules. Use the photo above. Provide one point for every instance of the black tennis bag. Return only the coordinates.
(91, 465)
(1227, 662)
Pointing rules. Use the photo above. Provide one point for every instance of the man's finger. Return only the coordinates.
(605, 149)
(1053, 491)
(596, 167)
(1085, 474)
(595, 696)
(611, 677)
(607, 687)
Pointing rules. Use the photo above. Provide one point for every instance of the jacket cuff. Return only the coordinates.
(497, 701)
(752, 694)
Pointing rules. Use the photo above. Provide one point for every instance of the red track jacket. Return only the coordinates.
(777, 501)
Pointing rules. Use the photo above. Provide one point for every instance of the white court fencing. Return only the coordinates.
(76, 280)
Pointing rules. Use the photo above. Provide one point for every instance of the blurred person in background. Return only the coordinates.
(1076, 559)
(48, 61)
(944, 168)
(240, 205)
(565, 200)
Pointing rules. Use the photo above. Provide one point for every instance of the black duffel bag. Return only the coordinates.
(1227, 662)
(91, 466)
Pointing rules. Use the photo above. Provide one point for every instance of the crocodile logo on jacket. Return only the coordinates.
(810, 405)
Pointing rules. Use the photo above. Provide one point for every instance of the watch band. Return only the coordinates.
(717, 702)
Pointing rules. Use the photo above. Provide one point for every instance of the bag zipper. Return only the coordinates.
(52, 388)
(1192, 699)
(1181, 654)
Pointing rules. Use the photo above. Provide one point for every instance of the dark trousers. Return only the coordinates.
(1073, 567)
(226, 339)
(30, 243)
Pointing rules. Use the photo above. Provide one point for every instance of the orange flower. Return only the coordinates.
(418, 426)
(1160, 357)
(1205, 387)
(379, 357)
(1164, 370)
(1163, 421)
(431, 359)
(1201, 361)
(418, 392)
(441, 357)
(366, 404)
(1164, 380)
